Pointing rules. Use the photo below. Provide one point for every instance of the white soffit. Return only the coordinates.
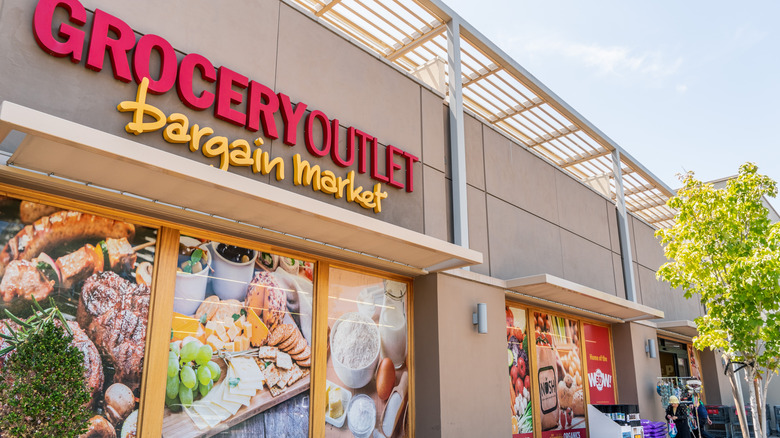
(68, 150)
(551, 291)
(684, 327)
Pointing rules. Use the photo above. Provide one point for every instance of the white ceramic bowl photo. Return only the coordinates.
(355, 351)
(190, 289)
(231, 279)
(361, 416)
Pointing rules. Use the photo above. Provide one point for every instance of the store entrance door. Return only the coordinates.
(668, 364)
(674, 358)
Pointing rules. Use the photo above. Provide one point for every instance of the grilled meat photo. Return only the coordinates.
(30, 212)
(61, 227)
(114, 314)
(26, 279)
(79, 265)
(121, 256)
(23, 279)
(93, 364)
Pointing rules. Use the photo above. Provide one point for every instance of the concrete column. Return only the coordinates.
(635, 372)
(460, 217)
(426, 357)
(623, 230)
(462, 379)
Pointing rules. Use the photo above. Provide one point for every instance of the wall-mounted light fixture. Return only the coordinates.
(479, 318)
(651, 348)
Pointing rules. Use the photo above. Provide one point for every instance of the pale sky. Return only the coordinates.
(680, 85)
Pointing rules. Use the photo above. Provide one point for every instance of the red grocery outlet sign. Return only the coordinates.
(235, 98)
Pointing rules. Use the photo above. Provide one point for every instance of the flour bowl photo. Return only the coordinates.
(361, 415)
(354, 343)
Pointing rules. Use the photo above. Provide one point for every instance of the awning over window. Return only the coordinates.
(118, 172)
(683, 327)
(572, 298)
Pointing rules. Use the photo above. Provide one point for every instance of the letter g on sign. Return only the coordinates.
(74, 38)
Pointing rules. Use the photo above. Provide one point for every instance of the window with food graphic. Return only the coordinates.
(519, 373)
(240, 353)
(367, 382)
(559, 377)
(90, 276)
(693, 355)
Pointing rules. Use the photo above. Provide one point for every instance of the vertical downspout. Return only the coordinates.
(623, 230)
(460, 219)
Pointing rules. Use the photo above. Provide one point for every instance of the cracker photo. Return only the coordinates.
(267, 353)
(283, 360)
(272, 375)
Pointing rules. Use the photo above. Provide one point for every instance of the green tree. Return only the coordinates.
(724, 249)
(42, 391)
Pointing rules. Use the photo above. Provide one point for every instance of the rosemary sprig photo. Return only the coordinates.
(31, 325)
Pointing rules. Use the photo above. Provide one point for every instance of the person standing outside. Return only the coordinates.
(700, 418)
(679, 415)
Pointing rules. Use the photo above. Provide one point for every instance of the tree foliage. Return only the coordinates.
(42, 391)
(724, 249)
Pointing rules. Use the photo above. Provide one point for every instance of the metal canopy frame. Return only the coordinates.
(412, 33)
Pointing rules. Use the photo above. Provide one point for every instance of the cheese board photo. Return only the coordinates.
(227, 405)
(240, 339)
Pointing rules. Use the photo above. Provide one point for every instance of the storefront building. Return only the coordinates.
(314, 237)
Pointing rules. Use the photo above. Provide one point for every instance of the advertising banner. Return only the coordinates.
(559, 377)
(240, 352)
(367, 374)
(91, 276)
(693, 354)
(598, 348)
(519, 373)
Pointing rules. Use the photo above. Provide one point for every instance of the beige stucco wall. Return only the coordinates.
(716, 384)
(649, 256)
(426, 357)
(528, 217)
(636, 371)
(472, 383)
(538, 218)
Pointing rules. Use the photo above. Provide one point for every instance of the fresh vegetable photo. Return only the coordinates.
(519, 372)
